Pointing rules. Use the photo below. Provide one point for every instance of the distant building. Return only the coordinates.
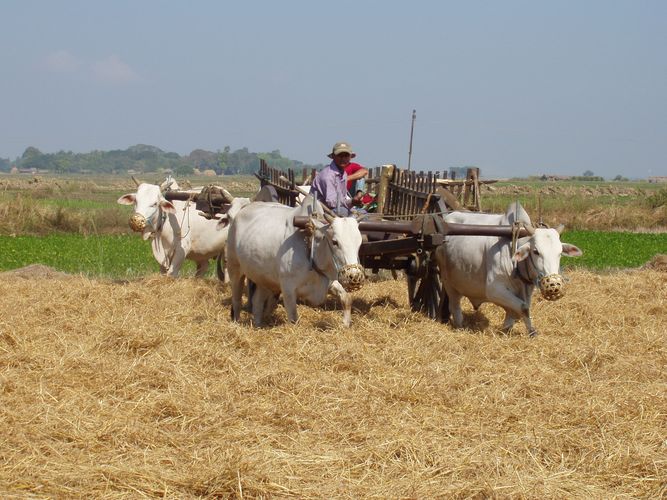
(659, 179)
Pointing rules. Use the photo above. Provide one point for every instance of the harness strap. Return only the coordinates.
(313, 264)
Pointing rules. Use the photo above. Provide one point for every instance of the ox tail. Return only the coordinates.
(220, 267)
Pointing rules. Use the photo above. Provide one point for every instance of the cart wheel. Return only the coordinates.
(425, 291)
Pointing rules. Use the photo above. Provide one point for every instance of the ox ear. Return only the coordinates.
(223, 221)
(522, 252)
(571, 250)
(168, 206)
(127, 199)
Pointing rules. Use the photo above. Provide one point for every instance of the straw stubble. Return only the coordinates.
(146, 388)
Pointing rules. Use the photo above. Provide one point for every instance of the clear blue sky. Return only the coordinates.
(514, 87)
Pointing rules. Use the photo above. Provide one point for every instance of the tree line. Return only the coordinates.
(144, 159)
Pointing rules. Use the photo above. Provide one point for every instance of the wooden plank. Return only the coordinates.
(386, 247)
(377, 262)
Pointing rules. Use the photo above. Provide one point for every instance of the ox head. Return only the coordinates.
(541, 258)
(336, 251)
(149, 207)
(235, 207)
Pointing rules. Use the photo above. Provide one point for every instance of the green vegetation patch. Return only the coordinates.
(611, 250)
(128, 256)
(113, 256)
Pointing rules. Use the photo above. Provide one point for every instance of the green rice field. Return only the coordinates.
(613, 250)
(110, 256)
(126, 256)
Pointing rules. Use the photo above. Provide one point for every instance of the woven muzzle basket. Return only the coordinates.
(351, 277)
(137, 222)
(551, 286)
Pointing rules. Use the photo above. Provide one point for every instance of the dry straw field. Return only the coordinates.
(145, 388)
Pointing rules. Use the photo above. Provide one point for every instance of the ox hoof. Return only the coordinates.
(532, 334)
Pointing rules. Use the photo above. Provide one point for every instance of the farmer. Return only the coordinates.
(330, 183)
(356, 178)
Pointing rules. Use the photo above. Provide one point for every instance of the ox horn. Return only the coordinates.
(135, 180)
(560, 228)
(529, 227)
(166, 184)
(226, 195)
(328, 218)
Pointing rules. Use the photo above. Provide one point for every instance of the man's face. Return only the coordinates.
(342, 160)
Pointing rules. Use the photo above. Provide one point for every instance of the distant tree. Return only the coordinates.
(5, 165)
(589, 173)
(184, 170)
(63, 163)
(620, 178)
(145, 158)
(30, 152)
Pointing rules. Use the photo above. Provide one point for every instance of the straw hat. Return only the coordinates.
(341, 147)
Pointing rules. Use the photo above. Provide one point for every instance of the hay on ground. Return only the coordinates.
(147, 389)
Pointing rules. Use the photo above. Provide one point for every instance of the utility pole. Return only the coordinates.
(412, 129)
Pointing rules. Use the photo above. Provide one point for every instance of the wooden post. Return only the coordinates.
(476, 194)
(386, 175)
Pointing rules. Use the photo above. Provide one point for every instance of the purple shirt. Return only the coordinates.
(329, 186)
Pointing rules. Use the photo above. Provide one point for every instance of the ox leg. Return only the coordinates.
(510, 319)
(176, 263)
(515, 308)
(527, 320)
(271, 304)
(236, 280)
(457, 312)
(289, 302)
(454, 305)
(251, 291)
(202, 267)
(345, 300)
(260, 298)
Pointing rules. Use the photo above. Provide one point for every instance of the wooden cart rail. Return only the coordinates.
(284, 183)
(401, 194)
(404, 193)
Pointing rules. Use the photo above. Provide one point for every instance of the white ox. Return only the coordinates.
(265, 247)
(178, 232)
(484, 268)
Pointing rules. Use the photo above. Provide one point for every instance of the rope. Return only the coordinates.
(516, 227)
(426, 203)
(186, 211)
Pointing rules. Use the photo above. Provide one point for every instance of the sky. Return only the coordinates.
(514, 87)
